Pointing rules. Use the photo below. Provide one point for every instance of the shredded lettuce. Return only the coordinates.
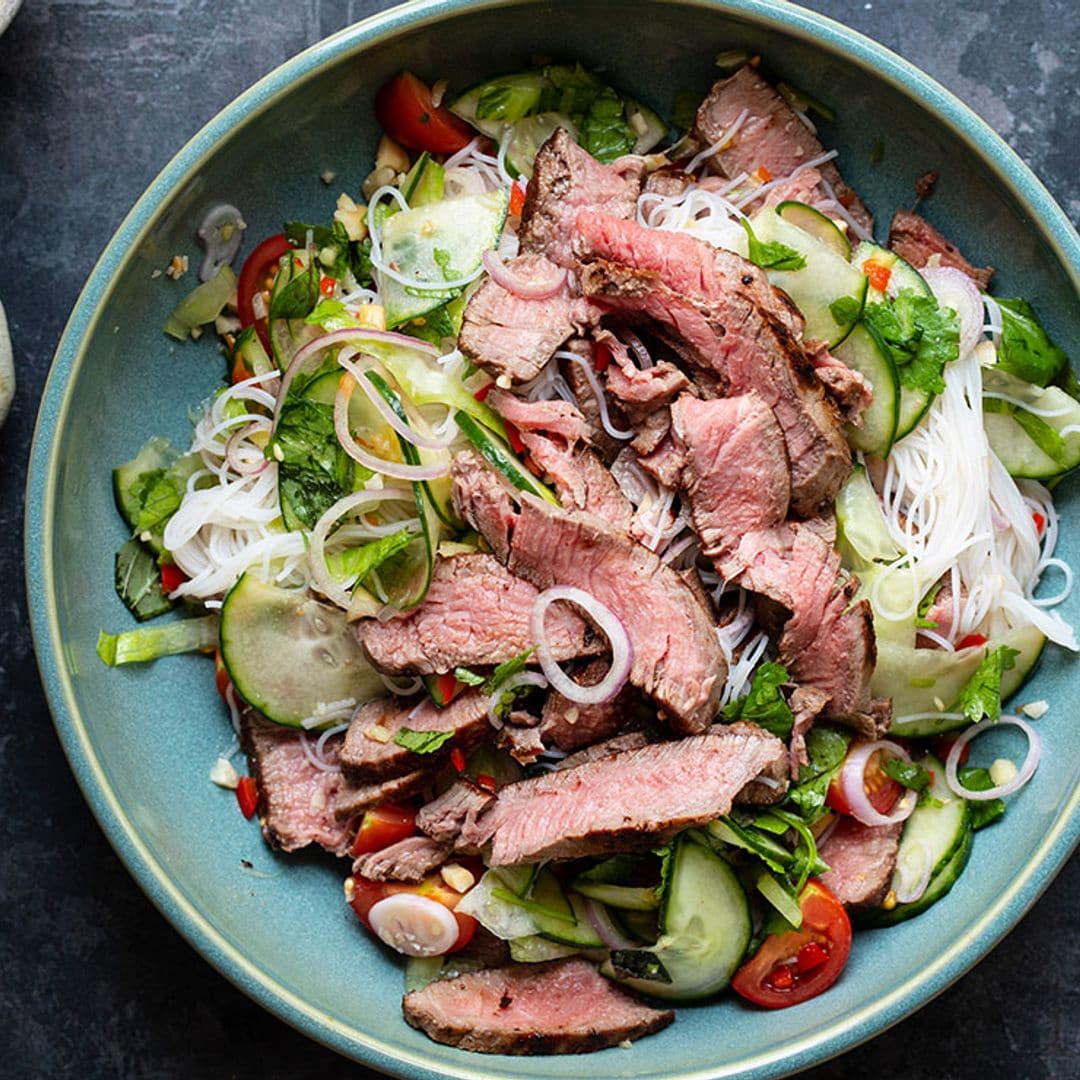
(152, 642)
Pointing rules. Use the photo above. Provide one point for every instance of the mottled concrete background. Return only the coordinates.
(95, 96)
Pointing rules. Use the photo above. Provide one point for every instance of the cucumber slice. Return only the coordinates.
(534, 949)
(918, 680)
(705, 930)
(624, 897)
(136, 498)
(817, 225)
(529, 134)
(249, 349)
(862, 534)
(286, 654)
(499, 455)
(423, 184)
(154, 455)
(912, 408)
(938, 831)
(491, 105)
(862, 352)
(560, 918)
(828, 284)
(1030, 443)
(902, 275)
(443, 241)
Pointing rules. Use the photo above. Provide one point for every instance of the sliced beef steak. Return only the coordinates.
(913, 238)
(627, 799)
(296, 798)
(771, 137)
(569, 726)
(365, 756)
(551, 417)
(461, 804)
(735, 476)
(411, 859)
(476, 613)
(561, 1007)
(848, 389)
(508, 335)
(734, 350)
(353, 798)
(567, 179)
(861, 861)
(629, 740)
(676, 658)
(585, 390)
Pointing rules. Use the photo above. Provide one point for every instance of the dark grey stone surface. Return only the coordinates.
(95, 96)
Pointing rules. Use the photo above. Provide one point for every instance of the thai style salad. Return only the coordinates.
(611, 548)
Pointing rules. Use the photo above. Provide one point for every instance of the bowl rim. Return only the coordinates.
(994, 922)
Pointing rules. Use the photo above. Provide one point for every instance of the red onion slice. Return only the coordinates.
(1027, 770)
(410, 432)
(323, 579)
(522, 678)
(853, 783)
(622, 653)
(398, 470)
(605, 928)
(952, 288)
(503, 276)
(249, 467)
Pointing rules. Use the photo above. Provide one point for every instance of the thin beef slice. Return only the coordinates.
(913, 238)
(676, 657)
(560, 1007)
(861, 861)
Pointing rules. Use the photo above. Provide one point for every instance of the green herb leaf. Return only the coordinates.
(151, 642)
(826, 748)
(571, 90)
(639, 964)
(982, 811)
(354, 564)
(615, 870)
(764, 704)
(845, 310)
(684, 109)
(920, 336)
(1026, 350)
(469, 678)
(981, 695)
(422, 742)
(313, 469)
(909, 773)
(296, 292)
(508, 668)
(605, 132)
(772, 255)
(138, 581)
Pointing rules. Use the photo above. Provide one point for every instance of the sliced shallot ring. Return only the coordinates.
(522, 678)
(398, 470)
(622, 652)
(915, 892)
(1027, 770)
(503, 276)
(236, 463)
(410, 432)
(605, 928)
(414, 925)
(853, 784)
(320, 573)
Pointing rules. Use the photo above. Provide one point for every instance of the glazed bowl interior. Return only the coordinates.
(142, 740)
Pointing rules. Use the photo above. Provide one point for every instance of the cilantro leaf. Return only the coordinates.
(764, 704)
(770, 254)
(845, 310)
(1026, 350)
(981, 695)
(909, 773)
(982, 811)
(422, 742)
(920, 337)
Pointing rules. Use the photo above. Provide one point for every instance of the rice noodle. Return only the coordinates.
(698, 160)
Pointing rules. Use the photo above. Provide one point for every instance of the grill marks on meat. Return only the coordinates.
(365, 758)
(296, 798)
(627, 799)
(735, 476)
(771, 136)
(411, 860)
(913, 238)
(567, 179)
(562, 1007)
(720, 315)
(861, 861)
(459, 806)
(508, 335)
(677, 659)
(475, 613)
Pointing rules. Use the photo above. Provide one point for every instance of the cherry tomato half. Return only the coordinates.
(799, 964)
(258, 273)
(405, 111)
(383, 826)
(881, 789)
(366, 894)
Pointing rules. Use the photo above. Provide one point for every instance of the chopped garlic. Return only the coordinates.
(177, 268)
(639, 123)
(503, 382)
(377, 733)
(1002, 771)
(1035, 710)
(626, 1044)
(328, 176)
(155, 273)
(350, 890)
(458, 877)
(224, 775)
(373, 316)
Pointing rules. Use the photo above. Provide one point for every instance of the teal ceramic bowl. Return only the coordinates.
(141, 741)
